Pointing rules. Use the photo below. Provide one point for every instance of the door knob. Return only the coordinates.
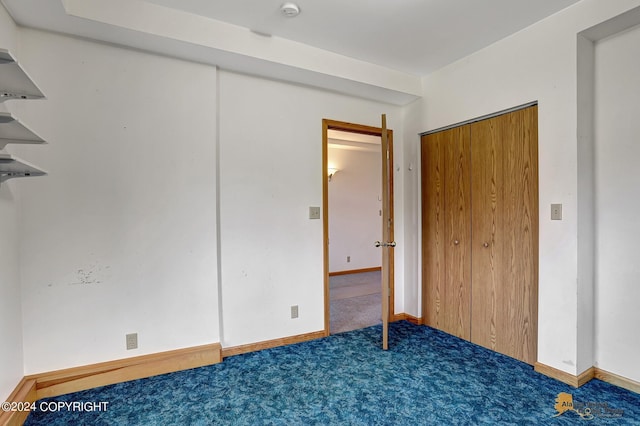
(456, 242)
(379, 244)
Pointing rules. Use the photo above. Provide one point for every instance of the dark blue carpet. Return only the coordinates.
(426, 377)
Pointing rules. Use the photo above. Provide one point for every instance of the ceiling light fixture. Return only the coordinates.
(290, 10)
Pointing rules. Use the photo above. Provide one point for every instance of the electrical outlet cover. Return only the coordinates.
(132, 341)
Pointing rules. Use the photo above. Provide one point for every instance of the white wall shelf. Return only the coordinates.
(14, 81)
(12, 131)
(15, 84)
(11, 167)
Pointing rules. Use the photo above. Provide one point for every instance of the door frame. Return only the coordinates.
(344, 126)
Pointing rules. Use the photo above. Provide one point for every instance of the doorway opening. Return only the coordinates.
(352, 221)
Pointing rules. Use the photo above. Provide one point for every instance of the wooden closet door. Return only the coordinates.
(505, 234)
(487, 187)
(446, 224)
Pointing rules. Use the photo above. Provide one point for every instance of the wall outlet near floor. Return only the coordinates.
(348, 259)
(294, 311)
(132, 341)
(556, 211)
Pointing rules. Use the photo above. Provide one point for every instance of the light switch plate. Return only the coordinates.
(314, 212)
(556, 211)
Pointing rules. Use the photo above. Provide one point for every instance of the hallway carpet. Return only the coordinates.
(358, 284)
(357, 312)
(355, 301)
(426, 378)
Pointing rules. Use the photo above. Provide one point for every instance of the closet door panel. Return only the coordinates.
(458, 233)
(433, 212)
(446, 231)
(505, 229)
(487, 183)
(520, 315)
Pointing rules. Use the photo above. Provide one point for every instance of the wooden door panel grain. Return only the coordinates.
(504, 279)
(446, 231)
(480, 232)
(487, 189)
(458, 233)
(520, 307)
(433, 211)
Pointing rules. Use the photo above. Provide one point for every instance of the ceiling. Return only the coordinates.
(378, 48)
(414, 36)
(338, 139)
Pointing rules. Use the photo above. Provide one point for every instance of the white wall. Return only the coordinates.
(354, 209)
(538, 63)
(270, 173)
(120, 237)
(11, 364)
(411, 231)
(616, 125)
(8, 32)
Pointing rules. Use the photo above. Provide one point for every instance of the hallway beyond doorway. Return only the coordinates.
(355, 301)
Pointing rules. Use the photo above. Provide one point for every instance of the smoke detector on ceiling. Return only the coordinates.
(290, 10)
